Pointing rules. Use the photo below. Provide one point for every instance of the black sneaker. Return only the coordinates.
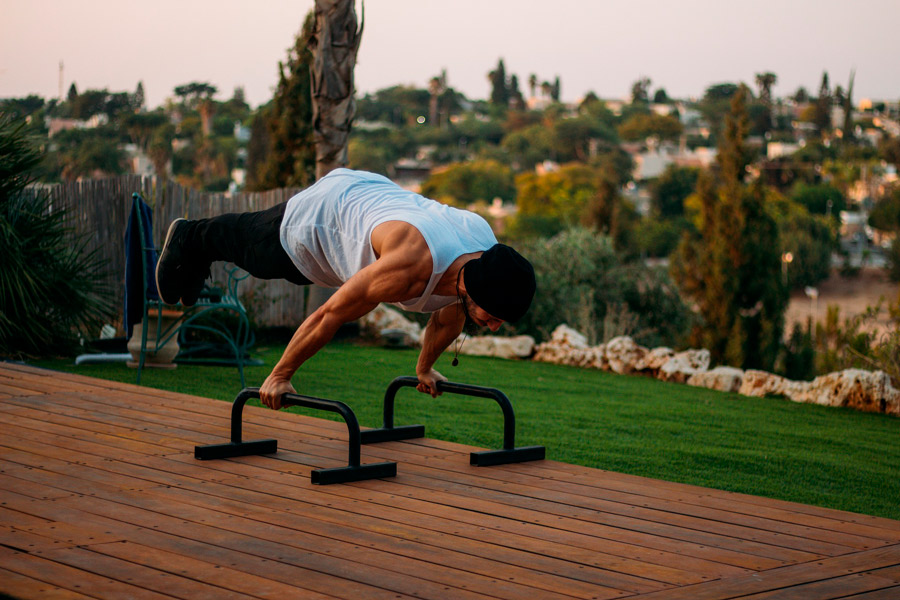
(178, 275)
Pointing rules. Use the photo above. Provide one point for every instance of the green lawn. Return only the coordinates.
(817, 455)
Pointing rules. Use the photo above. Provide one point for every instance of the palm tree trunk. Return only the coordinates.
(334, 45)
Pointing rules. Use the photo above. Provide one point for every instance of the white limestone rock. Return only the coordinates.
(623, 354)
(390, 326)
(566, 336)
(723, 379)
(760, 384)
(853, 388)
(653, 361)
(682, 365)
(519, 346)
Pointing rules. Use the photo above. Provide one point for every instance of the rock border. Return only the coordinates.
(868, 391)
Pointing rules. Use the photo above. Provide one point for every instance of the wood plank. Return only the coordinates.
(10, 517)
(25, 588)
(565, 522)
(22, 540)
(99, 478)
(891, 593)
(775, 579)
(826, 589)
(39, 428)
(366, 550)
(77, 580)
(147, 576)
(182, 537)
(579, 548)
(230, 580)
(519, 565)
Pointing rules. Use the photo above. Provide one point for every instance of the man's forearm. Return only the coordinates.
(312, 335)
(443, 327)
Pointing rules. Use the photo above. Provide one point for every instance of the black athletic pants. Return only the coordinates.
(250, 240)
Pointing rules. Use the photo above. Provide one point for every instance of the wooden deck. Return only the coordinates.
(101, 497)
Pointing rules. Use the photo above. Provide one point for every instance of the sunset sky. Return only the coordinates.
(592, 45)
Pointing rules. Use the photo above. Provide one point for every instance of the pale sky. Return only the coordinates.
(592, 45)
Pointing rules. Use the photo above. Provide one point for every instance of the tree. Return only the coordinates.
(462, 184)
(555, 91)
(499, 86)
(282, 135)
(579, 137)
(191, 94)
(602, 211)
(51, 287)
(847, 129)
(89, 153)
(141, 126)
(334, 45)
(159, 150)
(730, 267)
(516, 100)
(139, 98)
(669, 191)
(529, 146)
(822, 107)
(436, 87)
(889, 149)
(819, 199)
(765, 81)
(715, 105)
(640, 91)
(641, 126)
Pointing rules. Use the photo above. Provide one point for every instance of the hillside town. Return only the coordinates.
(822, 165)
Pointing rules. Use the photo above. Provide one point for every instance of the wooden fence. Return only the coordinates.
(100, 208)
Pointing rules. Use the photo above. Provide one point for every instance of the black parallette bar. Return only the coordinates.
(358, 473)
(352, 472)
(394, 434)
(490, 458)
(508, 454)
(231, 449)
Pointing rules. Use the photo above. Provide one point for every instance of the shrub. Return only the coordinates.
(583, 282)
(51, 288)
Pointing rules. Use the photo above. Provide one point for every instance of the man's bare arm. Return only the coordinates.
(399, 274)
(443, 327)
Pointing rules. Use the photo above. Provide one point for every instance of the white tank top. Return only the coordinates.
(327, 230)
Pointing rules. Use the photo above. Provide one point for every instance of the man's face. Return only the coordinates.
(481, 317)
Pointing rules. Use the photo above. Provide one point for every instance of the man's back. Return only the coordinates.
(327, 229)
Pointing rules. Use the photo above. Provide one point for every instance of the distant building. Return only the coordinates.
(778, 149)
(138, 162)
(56, 125)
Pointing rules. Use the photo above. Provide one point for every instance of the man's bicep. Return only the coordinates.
(369, 287)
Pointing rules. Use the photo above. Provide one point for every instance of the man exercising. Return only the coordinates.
(373, 241)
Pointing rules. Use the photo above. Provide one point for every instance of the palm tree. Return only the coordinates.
(334, 45)
(436, 87)
(765, 81)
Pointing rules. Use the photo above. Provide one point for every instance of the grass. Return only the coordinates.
(824, 456)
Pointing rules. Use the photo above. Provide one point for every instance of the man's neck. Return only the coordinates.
(447, 284)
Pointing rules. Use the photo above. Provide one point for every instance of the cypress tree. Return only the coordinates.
(499, 86)
(730, 267)
(291, 157)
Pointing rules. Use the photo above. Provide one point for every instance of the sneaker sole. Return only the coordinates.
(169, 234)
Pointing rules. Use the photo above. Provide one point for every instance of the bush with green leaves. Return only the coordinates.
(51, 288)
(584, 283)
